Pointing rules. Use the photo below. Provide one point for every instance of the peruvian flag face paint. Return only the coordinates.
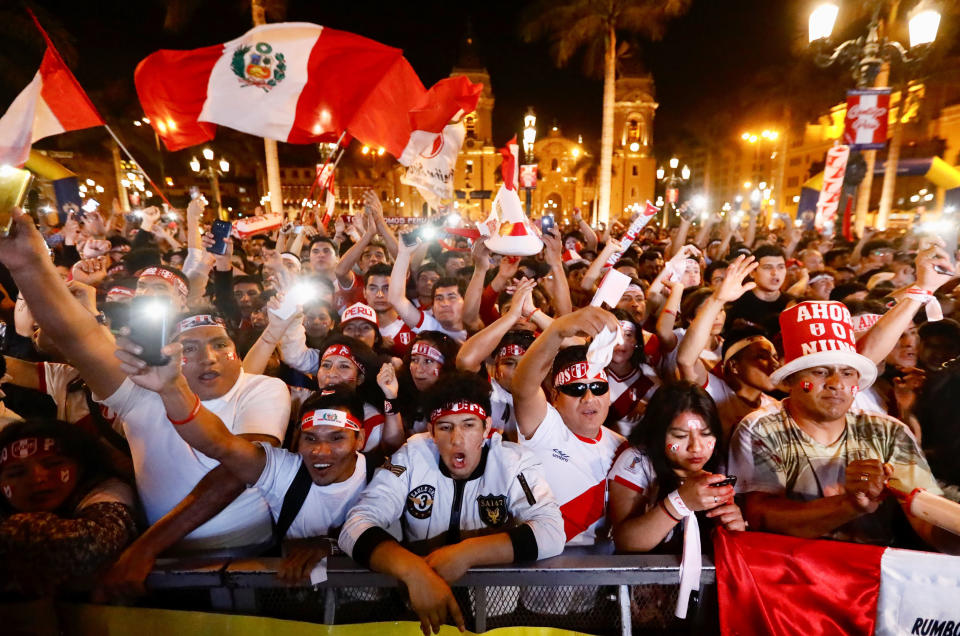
(807, 386)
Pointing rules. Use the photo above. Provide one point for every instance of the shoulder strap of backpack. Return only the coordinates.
(293, 502)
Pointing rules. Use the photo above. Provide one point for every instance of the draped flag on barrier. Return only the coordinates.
(777, 585)
(300, 83)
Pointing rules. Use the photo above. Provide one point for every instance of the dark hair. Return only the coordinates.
(253, 280)
(340, 398)
(834, 254)
(691, 304)
(842, 291)
(876, 244)
(627, 262)
(380, 269)
(141, 258)
(868, 306)
(324, 239)
(75, 443)
(939, 420)
(429, 267)
(457, 386)
(445, 256)
(446, 345)
(117, 241)
(712, 267)
(738, 333)
(670, 400)
(575, 265)
(566, 357)
(449, 281)
(769, 250)
(651, 254)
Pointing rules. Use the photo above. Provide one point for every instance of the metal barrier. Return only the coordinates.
(578, 590)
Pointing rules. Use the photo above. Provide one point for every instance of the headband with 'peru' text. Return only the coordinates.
(577, 372)
(455, 408)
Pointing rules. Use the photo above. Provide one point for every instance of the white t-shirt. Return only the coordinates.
(167, 468)
(429, 323)
(576, 469)
(634, 470)
(325, 508)
(503, 416)
(110, 490)
(711, 358)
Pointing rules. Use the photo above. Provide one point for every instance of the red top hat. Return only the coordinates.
(817, 333)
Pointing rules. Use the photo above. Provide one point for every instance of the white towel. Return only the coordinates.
(600, 351)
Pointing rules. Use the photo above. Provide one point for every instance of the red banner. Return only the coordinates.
(865, 127)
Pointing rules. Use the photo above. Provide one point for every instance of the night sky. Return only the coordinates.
(704, 58)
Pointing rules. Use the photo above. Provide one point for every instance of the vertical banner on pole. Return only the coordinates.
(833, 172)
(868, 112)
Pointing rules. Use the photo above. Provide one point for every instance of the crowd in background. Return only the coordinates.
(427, 405)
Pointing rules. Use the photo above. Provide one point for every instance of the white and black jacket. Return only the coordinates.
(506, 493)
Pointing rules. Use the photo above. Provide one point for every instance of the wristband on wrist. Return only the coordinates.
(391, 406)
(677, 502)
(671, 312)
(663, 506)
(193, 413)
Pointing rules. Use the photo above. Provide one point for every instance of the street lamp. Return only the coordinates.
(671, 183)
(529, 139)
(865, 56)
(213, 171)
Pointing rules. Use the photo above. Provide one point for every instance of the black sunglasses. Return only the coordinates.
(578, 389)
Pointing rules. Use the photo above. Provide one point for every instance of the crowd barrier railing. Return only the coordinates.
(578, 590)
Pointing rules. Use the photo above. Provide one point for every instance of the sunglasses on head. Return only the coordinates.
(579, 389)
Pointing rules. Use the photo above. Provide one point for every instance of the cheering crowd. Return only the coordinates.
(428, 405)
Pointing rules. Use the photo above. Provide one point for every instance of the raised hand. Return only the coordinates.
(933, 265)
(733, 286)
(151, 378)
(91, 271)
(586, 322)
(387, 381)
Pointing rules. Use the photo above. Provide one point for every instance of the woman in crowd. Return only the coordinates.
(432, 354)
(63, 514)
(669, 472)
(632, 380)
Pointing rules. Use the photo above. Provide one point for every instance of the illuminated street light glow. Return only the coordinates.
(923, 27)
(822, 20)
(224, 165)
(381, 150)
(660, 173)
(208, 154)
(194, 164)
(685, 173)
(634, 146)
(365, 150)
(674, 162)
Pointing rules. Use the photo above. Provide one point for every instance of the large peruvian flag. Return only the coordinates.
(300, 83)
(783, 586)
(52, 103)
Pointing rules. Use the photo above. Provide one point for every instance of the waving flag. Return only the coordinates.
(770, 585)
(300, 83)
(52, 103)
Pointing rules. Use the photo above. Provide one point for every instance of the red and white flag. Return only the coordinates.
(834, 171)
(52, 103)
(776, 585)
(865, 126)
(431, 172)
(510, 167)
(300, 83)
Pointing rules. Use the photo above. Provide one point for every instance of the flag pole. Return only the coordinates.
(137, 164)
(320, 172)
(274, 187)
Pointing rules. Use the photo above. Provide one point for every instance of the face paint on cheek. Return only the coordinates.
(66, 474)
(854, 390)
(807, 387)
(436, 372)
(674, 448)
(7, 491)
(232, 355)
(183, 360)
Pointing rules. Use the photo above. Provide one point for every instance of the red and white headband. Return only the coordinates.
(329, 417)
(740, 345)
(577, 372)
(423, 349)
(626, 325)
(511, 350)
(458, 407)
(28, 447)
(200, 320)
(168, 276)
(343, 351)
(120, 292)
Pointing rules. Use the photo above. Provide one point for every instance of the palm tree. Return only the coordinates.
(593, 24)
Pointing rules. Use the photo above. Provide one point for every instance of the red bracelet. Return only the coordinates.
(671, 312)
(667, 510)
(193, 413)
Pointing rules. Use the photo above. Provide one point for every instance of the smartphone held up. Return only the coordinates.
(14, 185)
(149, 324)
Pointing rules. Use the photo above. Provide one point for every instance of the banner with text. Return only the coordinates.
(865, 127)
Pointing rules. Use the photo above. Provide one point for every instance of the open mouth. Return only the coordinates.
(459, 460)
(321, 466)
(208, 376)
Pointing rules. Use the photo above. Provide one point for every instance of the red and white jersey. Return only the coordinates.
(401, 335)
(372, 427)
(576, 468)
(428, 323)
(634, 470)
(638, 386)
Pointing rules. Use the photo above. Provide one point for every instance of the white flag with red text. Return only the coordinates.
(431, 172)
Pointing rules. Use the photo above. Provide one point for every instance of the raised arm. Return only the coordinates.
(595, 271)
(398, 287)
(667, 318)
(61, 316)
(376, 207)
(479, 346)
(558, 286)
(344, 269)
(877, 343)
(474, 293)
(588, 234)
(529, 400)
(698, 334)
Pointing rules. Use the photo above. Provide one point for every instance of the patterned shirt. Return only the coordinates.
(770, 453)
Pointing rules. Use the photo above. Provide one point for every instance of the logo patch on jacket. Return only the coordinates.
(493, 510)
(393, 468)
(420, 501)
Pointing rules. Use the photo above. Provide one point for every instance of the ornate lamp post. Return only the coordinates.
(865, 56)
(213, 171)
(529, 138)
(671, 184)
